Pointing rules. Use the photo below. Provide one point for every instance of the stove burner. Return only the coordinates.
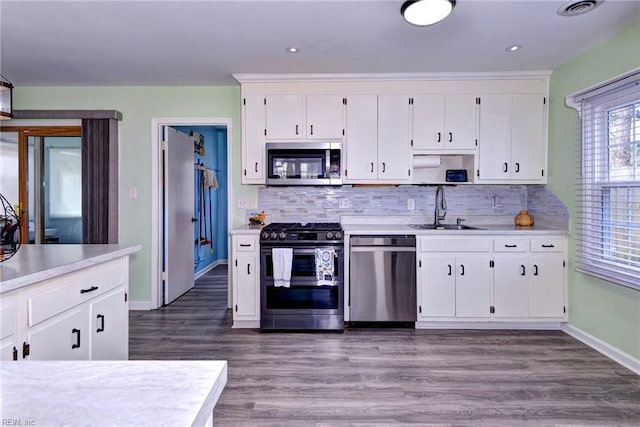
(288, 232)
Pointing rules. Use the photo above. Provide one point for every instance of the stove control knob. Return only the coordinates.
(273, 235)
(329, 235)
(338, 235)
(282, 235)
(265, 236)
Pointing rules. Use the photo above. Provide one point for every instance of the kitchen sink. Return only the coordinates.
(444, 227)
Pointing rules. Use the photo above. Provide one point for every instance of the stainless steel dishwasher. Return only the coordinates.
(382, 283)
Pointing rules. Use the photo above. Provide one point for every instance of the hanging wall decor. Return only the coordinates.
(9, 230)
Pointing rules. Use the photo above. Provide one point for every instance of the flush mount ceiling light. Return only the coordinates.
(579, 7)
(292, 49)
(426, 12)
(6, 98)
(513, 48)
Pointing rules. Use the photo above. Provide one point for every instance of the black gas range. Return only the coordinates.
(301, 276)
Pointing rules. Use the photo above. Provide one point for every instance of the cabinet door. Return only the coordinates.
(109, 327)
(253, 140)
(461, 122)
(9, 331)
(437, 285)
(361, 138)
(284, 115)
(428, 122)
(494, 154)
(546, 286)
(393, 138)
(246, 282)
(473, 285)
(63, 337)
(511, 285)
(528, 140)
(324, 116)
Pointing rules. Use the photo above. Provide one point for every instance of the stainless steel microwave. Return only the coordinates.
(304, 163)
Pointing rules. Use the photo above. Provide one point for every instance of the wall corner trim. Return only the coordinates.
(613, 353)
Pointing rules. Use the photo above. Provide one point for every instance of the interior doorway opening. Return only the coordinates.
(209, 142)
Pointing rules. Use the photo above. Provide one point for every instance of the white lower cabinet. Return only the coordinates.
(245, 278)
(82, 315)
(509, 278)
(454, 278)
(9, 322)
(529, 278)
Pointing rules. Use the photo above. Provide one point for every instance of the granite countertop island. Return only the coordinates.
(142, 393)
(34, 263)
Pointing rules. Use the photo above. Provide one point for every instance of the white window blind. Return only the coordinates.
(608, 220)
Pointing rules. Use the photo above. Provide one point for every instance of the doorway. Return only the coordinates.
(41, 175)
(209, 143)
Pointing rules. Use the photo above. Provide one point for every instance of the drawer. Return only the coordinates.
(547, 244)
(245, 244)
(510, 245)
(70, 290)
(453, 244)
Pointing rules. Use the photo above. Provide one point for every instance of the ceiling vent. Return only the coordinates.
(580, 7)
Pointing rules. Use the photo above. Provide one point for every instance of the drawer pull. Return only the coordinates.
(245, 245)
(510, 246)
(100, 317)
(77, 332)
(548, 246)
(91, 289)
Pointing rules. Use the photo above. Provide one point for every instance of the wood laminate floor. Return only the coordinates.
(389, 377)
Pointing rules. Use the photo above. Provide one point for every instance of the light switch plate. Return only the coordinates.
(243, 203)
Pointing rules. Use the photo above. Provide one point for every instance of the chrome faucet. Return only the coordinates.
(441, 206)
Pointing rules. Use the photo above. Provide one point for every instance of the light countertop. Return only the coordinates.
(247, 229)
(108, 393)
(484, 230)
(34, 263)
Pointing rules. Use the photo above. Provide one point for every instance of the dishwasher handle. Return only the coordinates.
(393, 241)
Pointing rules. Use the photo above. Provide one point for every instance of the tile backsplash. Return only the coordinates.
(495, 204)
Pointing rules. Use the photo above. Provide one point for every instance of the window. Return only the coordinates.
(608, 223)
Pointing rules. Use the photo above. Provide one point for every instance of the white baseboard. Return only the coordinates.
(545, 326)
(613, 353)
(140, 306)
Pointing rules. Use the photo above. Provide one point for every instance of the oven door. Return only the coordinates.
(305, 295)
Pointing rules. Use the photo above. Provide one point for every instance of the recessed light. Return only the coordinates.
(513, 48)
(292, 49)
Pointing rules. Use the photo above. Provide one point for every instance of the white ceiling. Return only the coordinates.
(104, 43)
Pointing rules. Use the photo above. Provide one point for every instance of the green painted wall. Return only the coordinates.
(139, 105)
(607, 311)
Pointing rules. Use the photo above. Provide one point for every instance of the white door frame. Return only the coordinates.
(156, 191)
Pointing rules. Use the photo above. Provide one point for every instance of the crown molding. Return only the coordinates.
(382, 77)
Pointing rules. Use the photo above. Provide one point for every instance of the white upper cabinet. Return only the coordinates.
(361, 145)
(325, 117)
(393, 138)
(377, 139)
(513, 144)
(444, 122)
(285, 116)
(253, 139)
(296, 117)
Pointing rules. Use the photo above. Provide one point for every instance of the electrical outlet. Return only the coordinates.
(343, 203)
(243, 203)
(254, 203)
(411, 204)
